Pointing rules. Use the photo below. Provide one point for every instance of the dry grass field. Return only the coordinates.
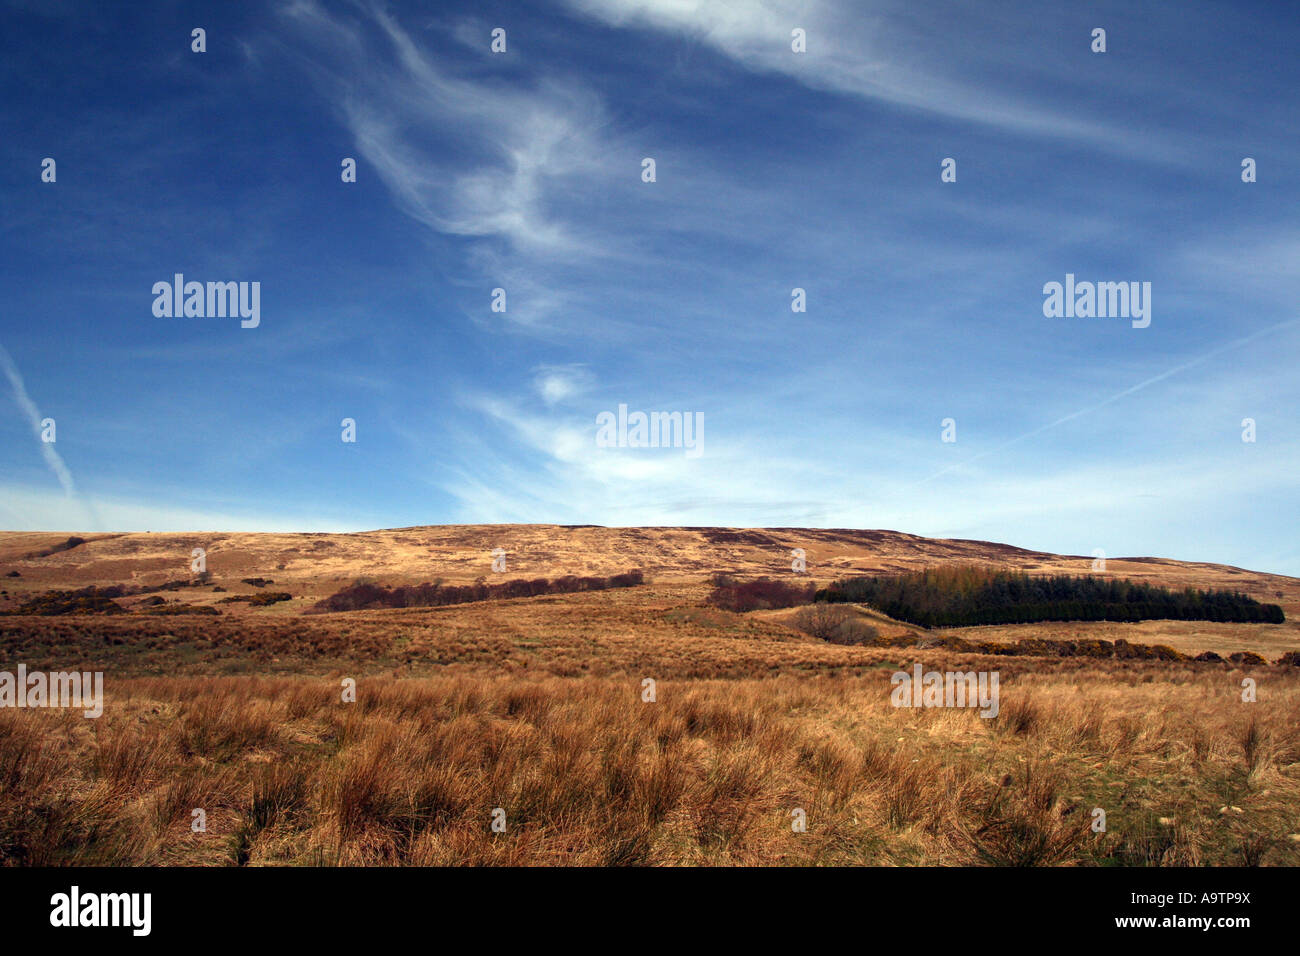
(709, 773)
(535, 706)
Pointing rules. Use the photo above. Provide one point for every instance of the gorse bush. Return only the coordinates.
(261, 599)
(365, 596)
(91, 599)
(87, 600)
(269, 597)
(965, 595)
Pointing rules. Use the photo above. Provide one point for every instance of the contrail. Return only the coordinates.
(1235, 343)
(33, 415)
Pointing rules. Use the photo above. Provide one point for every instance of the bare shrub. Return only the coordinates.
(835, 623)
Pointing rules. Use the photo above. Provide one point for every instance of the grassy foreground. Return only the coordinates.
(710, 773)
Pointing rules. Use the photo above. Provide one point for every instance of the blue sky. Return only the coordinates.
(775, 170)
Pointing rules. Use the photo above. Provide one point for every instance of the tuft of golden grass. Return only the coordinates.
(708, 774)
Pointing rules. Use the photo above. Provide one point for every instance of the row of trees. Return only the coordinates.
(965, 595)
(761, 594)
(363, 596)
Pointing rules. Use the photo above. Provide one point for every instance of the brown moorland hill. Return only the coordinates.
(315, 564)
(536, 704)
(664, 620)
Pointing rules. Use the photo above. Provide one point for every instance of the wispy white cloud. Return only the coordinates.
(561, 383)
(52, 458)
(883, 52)
(1258, 260)
(523, 143)
(1119, 396)
(23, 508)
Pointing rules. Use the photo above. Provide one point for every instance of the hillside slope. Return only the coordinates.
(313, 565)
